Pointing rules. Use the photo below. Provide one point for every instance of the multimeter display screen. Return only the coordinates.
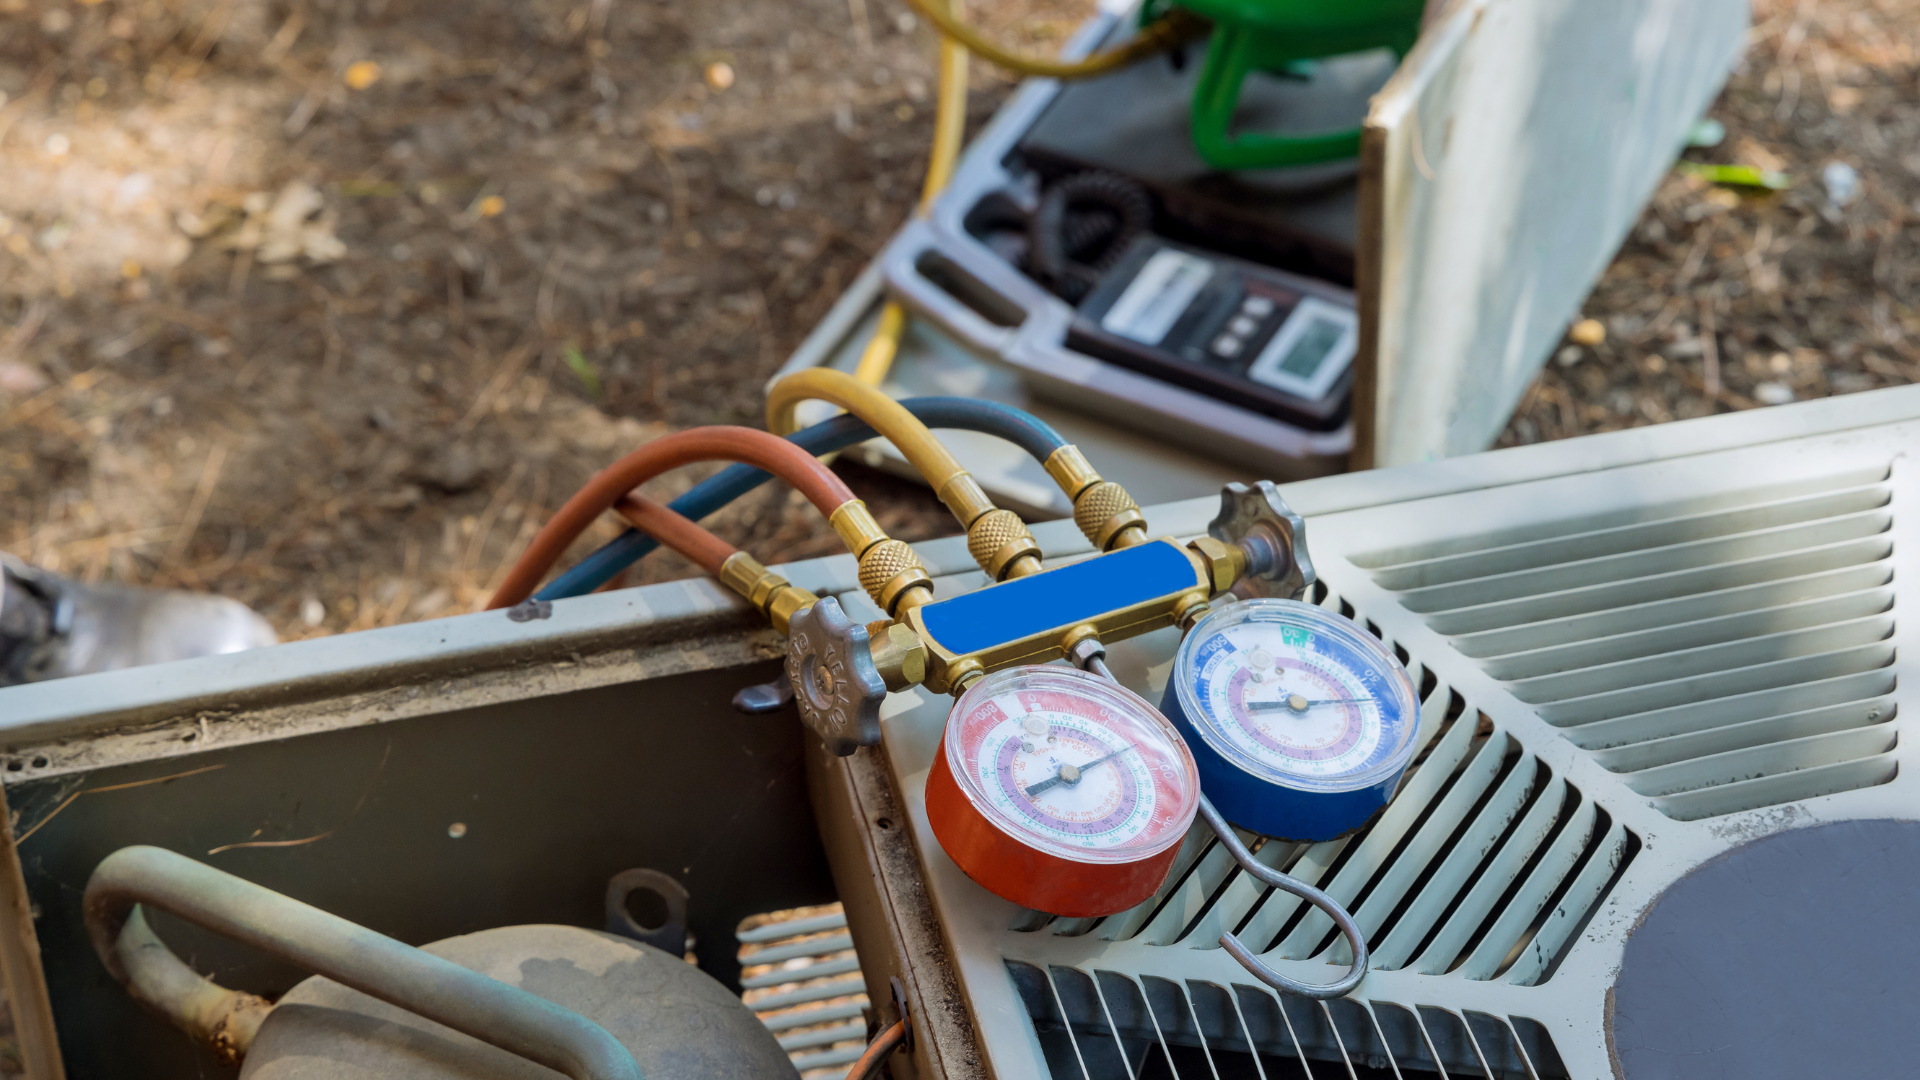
(1309, 350)
(1313, 347)
(1248, 334)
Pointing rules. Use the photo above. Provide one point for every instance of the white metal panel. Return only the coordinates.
(1515, 148)
(1621, 709)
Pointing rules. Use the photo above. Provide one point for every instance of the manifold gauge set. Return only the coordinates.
(1060, 790)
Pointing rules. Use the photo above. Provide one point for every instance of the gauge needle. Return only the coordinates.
(1071, 774)
(1298, 703)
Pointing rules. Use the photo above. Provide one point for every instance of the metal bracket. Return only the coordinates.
(1258, 521)
(835, 681)
(765, 697)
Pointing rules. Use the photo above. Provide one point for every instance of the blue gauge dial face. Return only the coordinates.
(1297, 694)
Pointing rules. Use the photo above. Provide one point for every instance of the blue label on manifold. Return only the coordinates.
(1064, 596)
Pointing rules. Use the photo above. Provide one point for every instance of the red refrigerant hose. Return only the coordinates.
(718, 443)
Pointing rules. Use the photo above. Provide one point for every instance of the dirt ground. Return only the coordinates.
(1727, 298)
(326, 304)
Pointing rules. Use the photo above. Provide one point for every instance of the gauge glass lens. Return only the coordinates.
(1297, 694)
(1072, 764)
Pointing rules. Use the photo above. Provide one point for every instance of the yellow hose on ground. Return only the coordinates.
(998, 540)
(949, 133)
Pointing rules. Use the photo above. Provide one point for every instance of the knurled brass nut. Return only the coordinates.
(996, 539)
(885, 561)
(1103, 510)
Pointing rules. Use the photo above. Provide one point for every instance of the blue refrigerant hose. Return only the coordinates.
(1022, 429)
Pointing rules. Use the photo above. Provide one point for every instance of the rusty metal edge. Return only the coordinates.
(194, 726)
(893, 925)
(25, 982)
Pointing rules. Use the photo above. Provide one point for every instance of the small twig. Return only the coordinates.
(68, 801)
(1710, 346)
(1668, 312)
(456, 299)
(242, 266)
(344, 822)
(211, 31)
(283, 40)
(483, 528)
(1725, 396)
(209, 478)
(20, 335)
(862, 26)
(509, 369)
(46, 399)
(1695, 256)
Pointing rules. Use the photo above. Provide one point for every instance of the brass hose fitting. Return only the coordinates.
(890, 571)
(999, 541)
(1105, 513)
(894, 576)
(775, 596)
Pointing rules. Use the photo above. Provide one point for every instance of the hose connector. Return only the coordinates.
(774, 596)
(997, 539)
(893, 575)
(1001, 543)
(1105, 513)
(890, 571)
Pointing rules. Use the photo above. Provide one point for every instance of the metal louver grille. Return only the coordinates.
(1485, 864)
(1098, 1023)
(1721, 654)
(799, 974)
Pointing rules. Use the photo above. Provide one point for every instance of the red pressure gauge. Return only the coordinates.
(1060, 791)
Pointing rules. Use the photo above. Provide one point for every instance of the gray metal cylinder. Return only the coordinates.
(679, 1023)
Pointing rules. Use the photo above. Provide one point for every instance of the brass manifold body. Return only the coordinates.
(841, 671)
(1216, 567)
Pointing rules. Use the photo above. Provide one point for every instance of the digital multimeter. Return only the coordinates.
(1260, 338)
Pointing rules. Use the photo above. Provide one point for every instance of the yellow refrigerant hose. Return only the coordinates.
(998, 540)
(949, 133)
(1168, 30)
(950, 125)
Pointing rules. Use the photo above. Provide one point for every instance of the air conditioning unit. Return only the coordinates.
(1657, 826)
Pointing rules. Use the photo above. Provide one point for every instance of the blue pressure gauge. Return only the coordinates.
(1300, 722)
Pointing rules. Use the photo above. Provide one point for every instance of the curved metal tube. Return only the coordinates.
(352, 955)
(1340, 987)
(1092, 656)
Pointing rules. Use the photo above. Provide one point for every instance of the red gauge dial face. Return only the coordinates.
(1071, 764)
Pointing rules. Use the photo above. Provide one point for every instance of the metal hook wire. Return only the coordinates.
(1092, 656)
(1340, 987)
